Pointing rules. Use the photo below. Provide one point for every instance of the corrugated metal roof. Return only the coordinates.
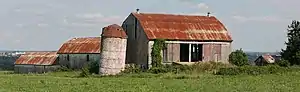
(182, 27)
(81, 45)
(268, 58)
(114, 31)
(37, 58)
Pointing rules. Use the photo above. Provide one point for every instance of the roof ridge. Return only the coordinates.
(172, 14)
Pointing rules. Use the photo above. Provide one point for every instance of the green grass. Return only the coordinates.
(68, 82)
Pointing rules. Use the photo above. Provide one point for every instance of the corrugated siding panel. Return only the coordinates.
(176, 52)
(81, 45)
(207, 50)
(212, 52)
(182, 27)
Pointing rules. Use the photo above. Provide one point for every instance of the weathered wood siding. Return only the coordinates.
(173, 52)
(212, 52)
(77, 61)
(35, 68)
(137, 42)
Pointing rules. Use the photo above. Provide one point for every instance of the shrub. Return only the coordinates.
(158, 46)
(93, 67)
(283, 63)
(63, 69)
(238, 58)
(255, 70)
(84, 72)
(132, 68)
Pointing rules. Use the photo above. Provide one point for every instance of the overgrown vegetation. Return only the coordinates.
(158, 46)
(256, 70)
(200, 67)
(93, 67)
(283, 63)
(238, 58)
(292, 51)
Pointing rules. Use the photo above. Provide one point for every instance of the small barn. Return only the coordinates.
(79, 51)
(188, 38)
(36, 62)
(266, 59)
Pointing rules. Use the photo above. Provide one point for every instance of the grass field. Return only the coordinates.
(67, 82)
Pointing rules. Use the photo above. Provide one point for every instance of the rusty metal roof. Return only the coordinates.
(81, 45)
(182, 27)
(268, 58)
(37, 58)
(113, 31)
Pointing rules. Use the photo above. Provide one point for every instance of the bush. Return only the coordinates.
(238, 58)
(132, 68)
(84, 71)
(283, 63)
(255, 70)
(93, 67)
(63, 69)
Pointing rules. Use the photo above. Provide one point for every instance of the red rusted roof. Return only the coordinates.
(268, 58)
(37, 58)
(81, 45)
(182, 27)
(114, 31)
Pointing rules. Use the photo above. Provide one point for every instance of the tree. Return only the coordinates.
(238, 58)
(292, 51)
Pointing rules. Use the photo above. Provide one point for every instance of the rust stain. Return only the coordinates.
(182, 27)
(37, 58)
(114, 31)
(81, 45)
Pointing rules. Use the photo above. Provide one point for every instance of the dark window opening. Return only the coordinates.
(68, 57)
(184, 52)
(87, 58)
(135, 28)
(196, 52)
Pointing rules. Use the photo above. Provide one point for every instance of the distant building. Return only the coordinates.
(79, 51)
(266, 59)
(36, 62)
(189, 38)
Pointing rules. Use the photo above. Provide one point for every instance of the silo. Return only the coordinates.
(113, 50)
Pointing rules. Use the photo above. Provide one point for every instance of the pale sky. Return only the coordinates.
(255, 25)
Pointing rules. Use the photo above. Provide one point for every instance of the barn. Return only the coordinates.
(36, 62)
(76, 52)
(188, 38)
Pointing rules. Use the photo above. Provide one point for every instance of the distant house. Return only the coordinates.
(79, 51)
(266, 59)
(36, 62)
(189, 38)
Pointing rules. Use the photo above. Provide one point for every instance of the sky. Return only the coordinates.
(255, 25)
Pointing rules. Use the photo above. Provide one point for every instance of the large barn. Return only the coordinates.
(36, 62)
(188, 38)
(79, 51)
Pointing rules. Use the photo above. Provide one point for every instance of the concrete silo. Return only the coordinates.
(113, 50)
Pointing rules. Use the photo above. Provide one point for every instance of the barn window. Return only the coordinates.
(135, 29)
(68, 57)
(87, 58)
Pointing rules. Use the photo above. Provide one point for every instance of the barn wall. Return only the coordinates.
(226, 49)
(173, 52)
(76, 61)
(212, 51)
(137, 42)
(35, 68)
